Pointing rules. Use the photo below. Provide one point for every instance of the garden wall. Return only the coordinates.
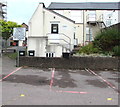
(94, 63)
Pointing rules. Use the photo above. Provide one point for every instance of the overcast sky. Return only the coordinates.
(21, 10)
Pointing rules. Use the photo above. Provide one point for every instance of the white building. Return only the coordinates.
(61, 26)
(50, 34)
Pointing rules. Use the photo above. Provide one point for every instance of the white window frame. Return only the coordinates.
(89, 35)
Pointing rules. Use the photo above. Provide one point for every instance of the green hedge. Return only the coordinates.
(106, 42)
(107, 39)
(89, 49)
(116, 51)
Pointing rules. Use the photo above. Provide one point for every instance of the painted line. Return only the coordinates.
(73, 92)
(10, 74)
(108, 83)
(88, 71)
(52, 78)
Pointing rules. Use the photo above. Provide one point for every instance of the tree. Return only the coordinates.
(107, 39)
(7, 28)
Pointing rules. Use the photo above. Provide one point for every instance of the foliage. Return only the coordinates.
(107, 39)
(7, 28)
(116, 50)
(106, 42)
(89, 49)
(13, 55)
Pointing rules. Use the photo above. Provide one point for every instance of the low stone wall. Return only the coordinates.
(94, 63)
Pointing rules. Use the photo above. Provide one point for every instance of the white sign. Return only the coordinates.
(19, 33)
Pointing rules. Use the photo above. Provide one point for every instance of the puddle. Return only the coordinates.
(97, 83)
(64, 80)
(28, 79)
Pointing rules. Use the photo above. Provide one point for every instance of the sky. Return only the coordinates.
(20, 11)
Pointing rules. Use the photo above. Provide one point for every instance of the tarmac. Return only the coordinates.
(33, 86)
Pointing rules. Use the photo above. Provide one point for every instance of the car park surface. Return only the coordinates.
(34, 86)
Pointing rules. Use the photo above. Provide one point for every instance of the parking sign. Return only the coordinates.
(19, 33)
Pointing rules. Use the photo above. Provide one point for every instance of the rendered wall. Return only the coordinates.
(38, 45)
(79, 33)
(36, 22)
(65, 27)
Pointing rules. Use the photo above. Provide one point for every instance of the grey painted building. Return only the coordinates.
(3, 10)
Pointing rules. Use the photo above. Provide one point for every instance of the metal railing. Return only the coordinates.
(66, 40)
(94, 17)
(65, 45)
(60, 34)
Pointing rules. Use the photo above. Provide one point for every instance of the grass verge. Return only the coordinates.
(12, 55)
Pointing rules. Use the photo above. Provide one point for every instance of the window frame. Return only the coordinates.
(52, 28)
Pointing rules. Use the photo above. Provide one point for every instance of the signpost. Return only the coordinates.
(19, 33)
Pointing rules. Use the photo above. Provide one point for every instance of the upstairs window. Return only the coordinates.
(54, 28)
(92, 15)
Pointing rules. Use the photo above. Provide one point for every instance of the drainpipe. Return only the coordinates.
(83, 26)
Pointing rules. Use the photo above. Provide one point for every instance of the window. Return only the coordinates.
(74, 35)
(92, 15)
(54, 28)
(89, 34)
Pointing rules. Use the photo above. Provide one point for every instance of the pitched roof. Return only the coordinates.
(60, 15)
(85, 6)
(25, 26)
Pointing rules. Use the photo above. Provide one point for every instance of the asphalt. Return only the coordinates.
(33, 86)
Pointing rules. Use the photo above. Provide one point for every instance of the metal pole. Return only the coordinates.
(18, 57)
(118, 64)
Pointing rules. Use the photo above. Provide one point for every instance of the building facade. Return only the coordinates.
(50, 34)
(3, 11)
(92, 16)
(59, 28)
